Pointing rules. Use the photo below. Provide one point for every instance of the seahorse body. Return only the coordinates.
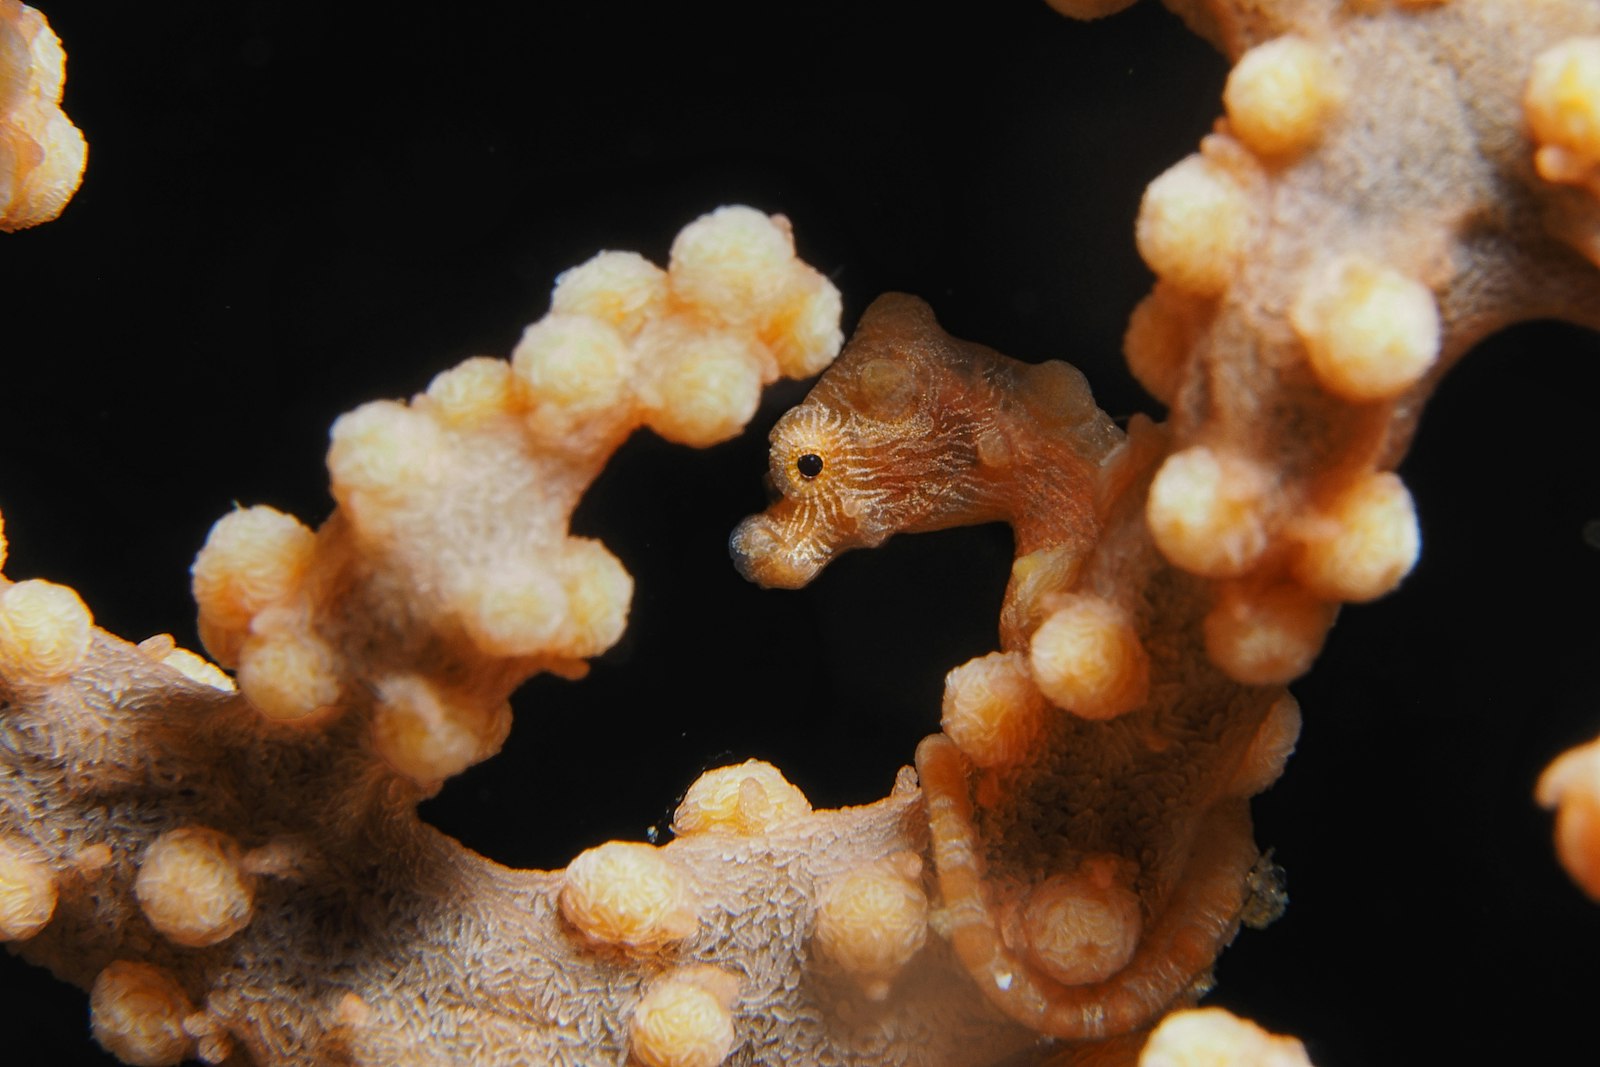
(912, 430)
(1086, 799)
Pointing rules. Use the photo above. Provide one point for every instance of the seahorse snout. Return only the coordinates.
(763, 555)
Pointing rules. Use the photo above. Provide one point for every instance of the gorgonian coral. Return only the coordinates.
(420, 221)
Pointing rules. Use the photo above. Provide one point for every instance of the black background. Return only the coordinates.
(290, 209)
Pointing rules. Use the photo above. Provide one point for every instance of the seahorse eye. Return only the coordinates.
(809, 465)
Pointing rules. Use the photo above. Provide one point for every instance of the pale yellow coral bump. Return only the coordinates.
(1083, 926)
(704, 383)
(803, 334)
(471, 392)
(427, 735)
(732, 264)
(992, 710)
(1213, 1037)
(1562, 102)
(626, 893)
(1205, 511)
(598, 590)
(1571, 786)
(27, 891)
(872, 921)
(288, 673)
(136, 1011)
(747, 798)
(685, 1020)
(570, 365)
(1160, 336)
(518, 609)
(1266, 634)
(192, 887)
(1363, 544)
(1370, 331)
(252, 557)
(382, 453)
(1193, 224)
(45, 630)
(622, 289)
(1280, 96)
(43, 152)
(1087, 658)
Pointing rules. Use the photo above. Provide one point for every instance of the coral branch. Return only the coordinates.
(246, 871)
(240, 875)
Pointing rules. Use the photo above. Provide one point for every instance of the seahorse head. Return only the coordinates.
(864, 456)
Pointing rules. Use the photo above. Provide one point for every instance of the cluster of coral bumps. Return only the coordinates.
(233, 865)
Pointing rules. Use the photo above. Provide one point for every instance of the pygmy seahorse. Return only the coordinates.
(912, 430)
(1087, 816)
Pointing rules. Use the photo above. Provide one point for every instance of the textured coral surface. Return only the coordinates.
(310, 217)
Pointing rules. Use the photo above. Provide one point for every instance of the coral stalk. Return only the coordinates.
(1390, 182)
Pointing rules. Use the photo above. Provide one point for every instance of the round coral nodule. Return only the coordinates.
(1193, 224)
(732, 263)
(45, 631)
(1087, 658)
(472, 392)
(427, 735)
(749, 798)
(599, 591)
(622, 289)
(803, 334)
(685, 1020)
(288, 674)
(252, 557)
(1363, 544)
(1370, 331)
(27, 892)
(992, 710)
(136, 1012)
(1207, 1037)
(1266, 634)
(381, 454)
(1160, 336)
(44, 151)
(1571, 786)
(572, 363)
(193, 888)
(1280, 96)
(706, 387)
(1081, 927)
(872, 921)
(516, 609)
(627, 893)
(1205, 512)
(1562, 103)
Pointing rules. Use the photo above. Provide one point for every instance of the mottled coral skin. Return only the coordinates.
(372, 938)
(1515, 242)
(1457, 206)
